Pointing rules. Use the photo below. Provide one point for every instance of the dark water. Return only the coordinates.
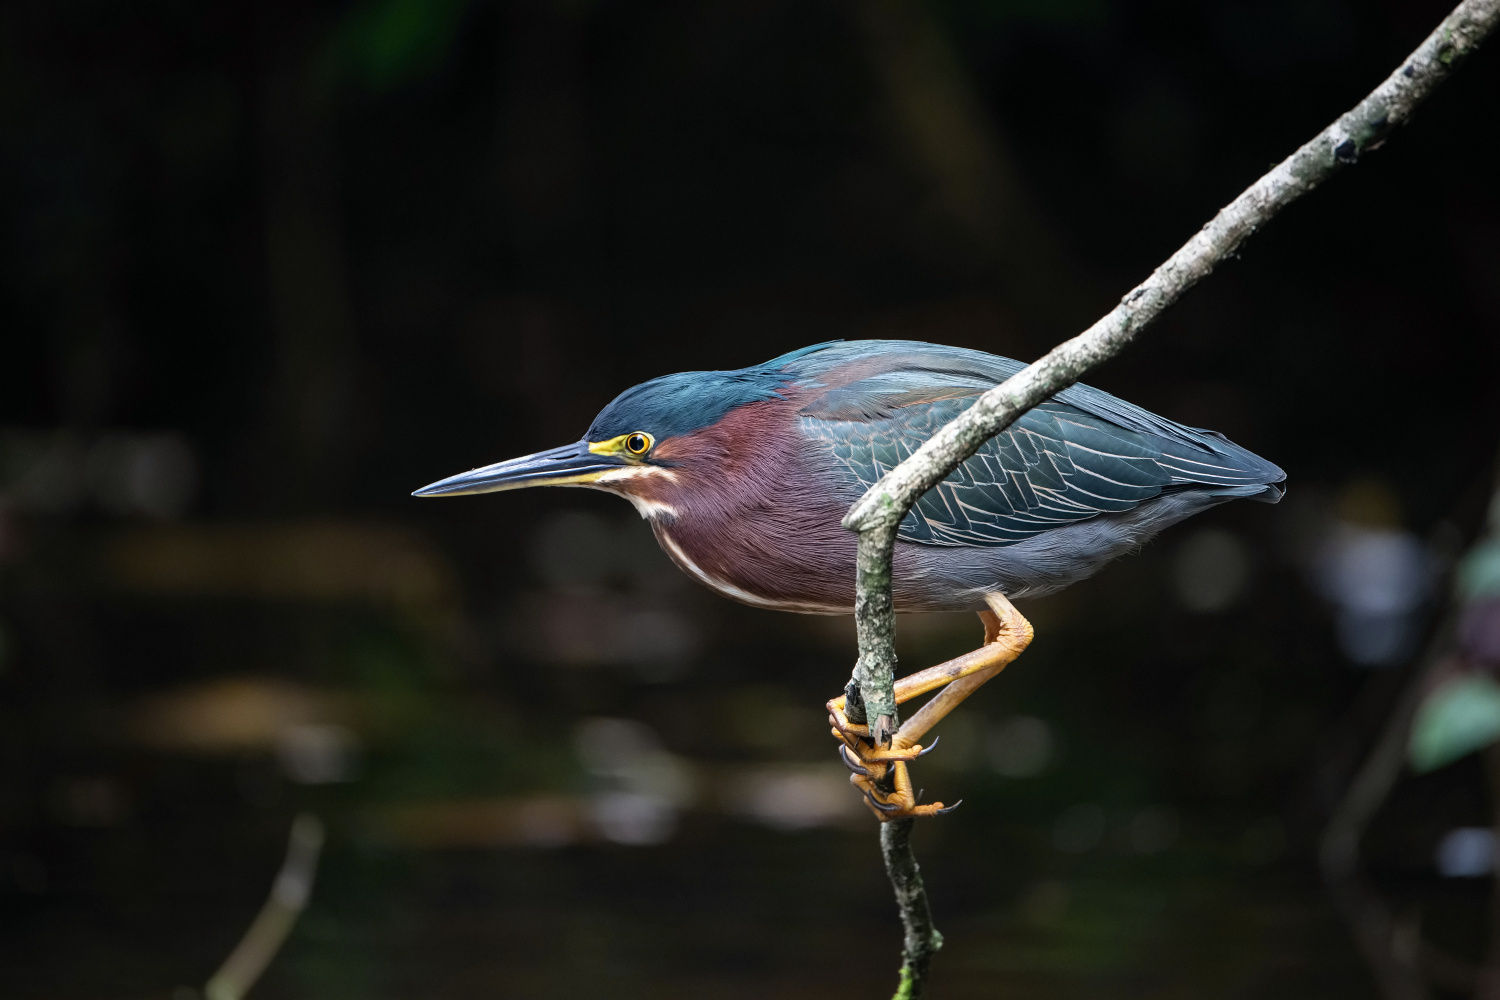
(1144, 829)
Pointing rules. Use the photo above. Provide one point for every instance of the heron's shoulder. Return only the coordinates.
(874, 380)
(1078, 455)
(840, 362)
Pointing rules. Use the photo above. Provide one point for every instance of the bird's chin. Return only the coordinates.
(636, 483)
(651, 510)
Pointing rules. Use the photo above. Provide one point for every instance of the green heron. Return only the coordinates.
(745, 476)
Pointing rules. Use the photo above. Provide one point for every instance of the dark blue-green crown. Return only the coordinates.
(690, 401)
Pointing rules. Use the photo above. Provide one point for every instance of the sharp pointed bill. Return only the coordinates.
(570, 465)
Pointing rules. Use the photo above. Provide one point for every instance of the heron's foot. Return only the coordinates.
(898, 803)
(880, 772)
(856, 740)
(843, 729)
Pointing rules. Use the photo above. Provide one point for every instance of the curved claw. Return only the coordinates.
(948, 809)
(851, 763)
(888, 807)
(927, 750)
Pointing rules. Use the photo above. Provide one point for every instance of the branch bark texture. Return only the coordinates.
(877, 515)
(920, 940)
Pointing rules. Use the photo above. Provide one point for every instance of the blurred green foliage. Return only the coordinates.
(1456, 719)
(1479, 573)
(382, 44)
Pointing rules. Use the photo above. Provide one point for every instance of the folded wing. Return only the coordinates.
(1079, 455)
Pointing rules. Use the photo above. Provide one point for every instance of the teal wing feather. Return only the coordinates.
(1057, 464)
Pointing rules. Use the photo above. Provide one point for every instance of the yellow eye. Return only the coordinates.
(638, 443)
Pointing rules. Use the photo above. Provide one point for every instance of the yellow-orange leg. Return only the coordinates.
(1006, 634)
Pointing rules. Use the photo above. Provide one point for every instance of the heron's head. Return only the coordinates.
(646, 444)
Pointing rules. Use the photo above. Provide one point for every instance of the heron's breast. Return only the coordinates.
(762, 574)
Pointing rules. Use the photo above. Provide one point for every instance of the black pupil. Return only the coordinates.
(636, 443)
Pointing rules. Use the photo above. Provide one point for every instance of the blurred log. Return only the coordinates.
(301, 561)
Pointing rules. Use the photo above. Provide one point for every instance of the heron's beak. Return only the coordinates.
(570, 465)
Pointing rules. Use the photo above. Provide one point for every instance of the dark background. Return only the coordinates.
(266, 268)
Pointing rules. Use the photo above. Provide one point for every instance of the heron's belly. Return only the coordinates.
(775, 578)
(817, 576)
(752, 587)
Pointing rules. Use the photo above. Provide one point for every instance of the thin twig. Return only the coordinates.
(274, 922)
(878, 514)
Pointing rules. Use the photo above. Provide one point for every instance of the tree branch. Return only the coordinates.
(920, 939)
(878, 514)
